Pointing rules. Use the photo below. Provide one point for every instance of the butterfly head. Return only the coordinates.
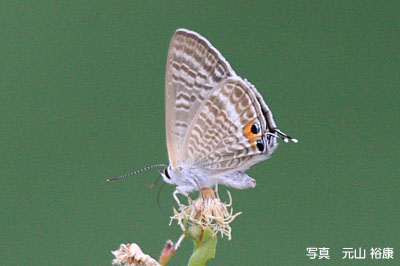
(166, 176)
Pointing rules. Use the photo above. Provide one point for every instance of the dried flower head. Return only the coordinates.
(209, 212)
(132, 255)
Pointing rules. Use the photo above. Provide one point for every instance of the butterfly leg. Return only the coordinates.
(175, 194)
(180, 190)
(216, 189)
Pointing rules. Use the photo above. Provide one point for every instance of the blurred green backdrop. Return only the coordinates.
(82, 100)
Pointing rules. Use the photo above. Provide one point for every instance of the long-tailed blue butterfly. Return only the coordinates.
(217, 124)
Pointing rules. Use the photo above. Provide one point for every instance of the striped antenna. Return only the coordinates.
(136, 172)
(279, 134)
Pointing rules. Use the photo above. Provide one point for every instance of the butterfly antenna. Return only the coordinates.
(283, 136)
(136, 172)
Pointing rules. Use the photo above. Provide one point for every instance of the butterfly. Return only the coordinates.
(217, 123)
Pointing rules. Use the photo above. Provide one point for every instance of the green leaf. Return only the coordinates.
(204, 250)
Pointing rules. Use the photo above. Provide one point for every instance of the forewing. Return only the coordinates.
(194, 68)
(221, 137)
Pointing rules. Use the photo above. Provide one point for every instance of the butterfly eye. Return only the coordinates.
(260, 145)
(255, 128)
(166, 173)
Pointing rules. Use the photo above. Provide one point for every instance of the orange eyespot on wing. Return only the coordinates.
(252, 132)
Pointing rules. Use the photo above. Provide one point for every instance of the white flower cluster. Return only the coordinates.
(209, 212)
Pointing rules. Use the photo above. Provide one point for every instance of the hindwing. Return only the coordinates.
(229, 131)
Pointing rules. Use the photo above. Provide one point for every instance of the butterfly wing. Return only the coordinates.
(194, 68)
(230, 130)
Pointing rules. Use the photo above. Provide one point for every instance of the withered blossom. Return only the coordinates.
(132, 255)
(209, 212)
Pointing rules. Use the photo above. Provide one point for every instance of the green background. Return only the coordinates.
(82, 100)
